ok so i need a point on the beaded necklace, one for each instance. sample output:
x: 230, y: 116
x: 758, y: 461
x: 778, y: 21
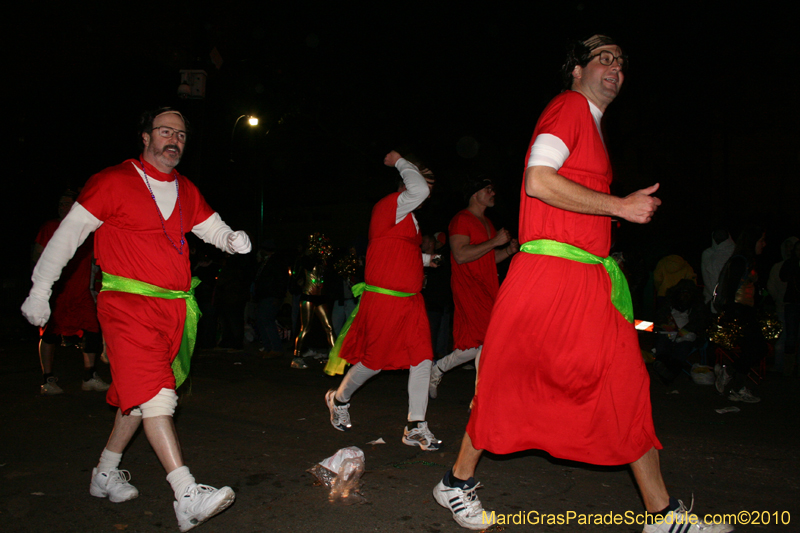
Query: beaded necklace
x: 160, y: 217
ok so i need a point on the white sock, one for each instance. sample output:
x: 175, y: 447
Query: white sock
x: 180, y: 479
x: 108, y: 461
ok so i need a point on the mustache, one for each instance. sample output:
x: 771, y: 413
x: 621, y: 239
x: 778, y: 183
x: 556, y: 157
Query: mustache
x: 173, y: 146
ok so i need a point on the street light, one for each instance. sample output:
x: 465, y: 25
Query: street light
x: 253, y: 121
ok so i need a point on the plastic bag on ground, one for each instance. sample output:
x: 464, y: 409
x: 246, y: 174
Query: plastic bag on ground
x: 341, y: 473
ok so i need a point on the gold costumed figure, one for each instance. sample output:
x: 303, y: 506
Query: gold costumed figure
x: 313, y: 299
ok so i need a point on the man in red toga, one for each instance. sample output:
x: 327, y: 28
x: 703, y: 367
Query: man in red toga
x: 74, y: 308
x: 140, y: 212
x: 390, y: 330
x: 561, y: 369
x: 475, y: 252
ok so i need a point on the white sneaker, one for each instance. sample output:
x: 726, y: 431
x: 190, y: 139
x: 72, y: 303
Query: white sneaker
x: 436, y: 378
x: 113, y: 485
x: 201, y: 502
x: 314, y: 354
x: 95, y: 384
x: 464, y: 504
x: 421, y: 436
x: 50, y: 388
x: 682, y: 520
x: 340, y: 414
x: 743, y: 395
x: 722, y: 377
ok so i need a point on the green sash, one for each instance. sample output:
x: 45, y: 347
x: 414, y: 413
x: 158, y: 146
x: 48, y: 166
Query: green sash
x: 620, y: 294
x: 335, y: 363
x: 180, y: 365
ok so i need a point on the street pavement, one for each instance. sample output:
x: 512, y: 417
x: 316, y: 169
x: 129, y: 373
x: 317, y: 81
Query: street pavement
x: 257, y: 425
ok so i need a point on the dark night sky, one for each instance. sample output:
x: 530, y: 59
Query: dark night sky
x: 708, y: 108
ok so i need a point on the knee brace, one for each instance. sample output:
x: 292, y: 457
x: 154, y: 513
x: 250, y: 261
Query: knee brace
x: 162, y: 404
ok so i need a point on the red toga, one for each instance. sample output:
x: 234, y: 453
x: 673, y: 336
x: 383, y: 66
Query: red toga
x: 474, y: 284
x: 143, y: 333
x: 561, y: 369
x: 386, y: 332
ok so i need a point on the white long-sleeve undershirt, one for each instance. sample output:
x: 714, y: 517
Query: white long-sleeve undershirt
x: 417, y: 191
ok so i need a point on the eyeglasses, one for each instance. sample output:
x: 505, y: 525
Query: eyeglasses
x: 606, y: 58
x: 167, y: 132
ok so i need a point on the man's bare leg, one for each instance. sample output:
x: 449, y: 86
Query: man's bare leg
x: 121, y: 435
x: 89, y: 359
x: 161, y: 434
x: 47, y: 352
x: 647, y: 471
x: 467, y: 459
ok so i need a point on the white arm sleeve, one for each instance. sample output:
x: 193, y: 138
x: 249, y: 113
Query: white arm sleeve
x: 71, y: 233
x: 548, y: 150
x: 416, y: 189
x: 215, y: 231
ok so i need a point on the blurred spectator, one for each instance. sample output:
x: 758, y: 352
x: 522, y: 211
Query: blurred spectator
x: 776, y: 289
x: 230, y: 297
x: 738, y: 294
x: 681, y: 321
x: 269, y: 290
x: 790, y: 273
x: 712, y: 261
x: 668, y: 272
x: 205, y: 268
x: 437, y: 293
x: 349, y: 269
